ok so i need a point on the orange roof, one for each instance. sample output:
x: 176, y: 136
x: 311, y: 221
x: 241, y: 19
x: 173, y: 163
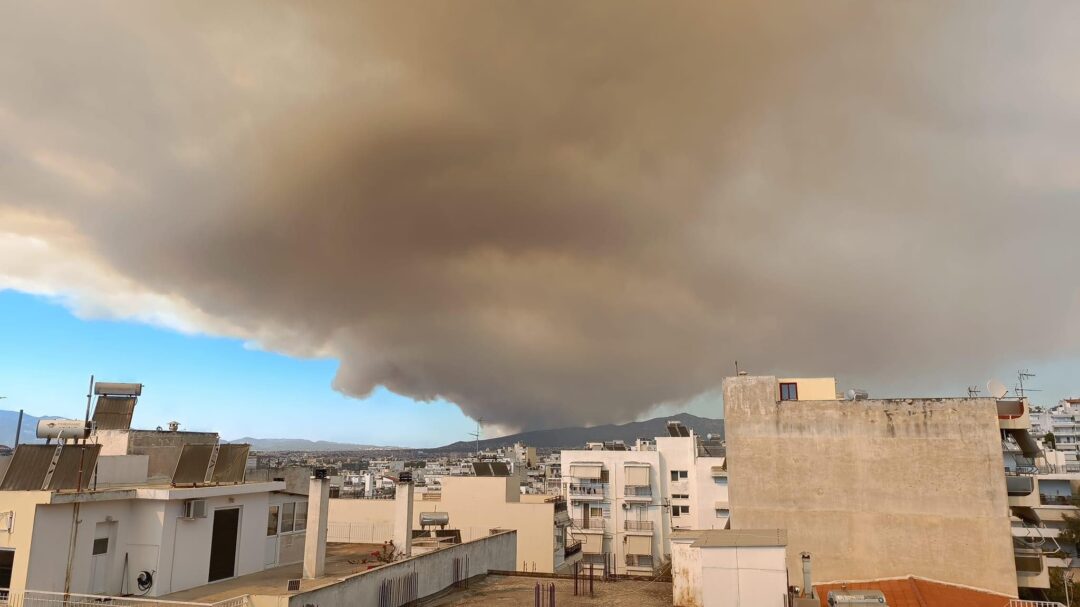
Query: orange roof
x: 919, y: 592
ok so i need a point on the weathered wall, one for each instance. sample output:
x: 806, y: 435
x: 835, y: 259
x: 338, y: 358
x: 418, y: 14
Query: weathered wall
x: 434, y: 572
x: 873, y: 488
x: 685, y: 572
x: 747, y: 575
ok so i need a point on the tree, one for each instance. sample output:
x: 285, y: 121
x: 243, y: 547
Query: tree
x: 1050, y: 440
x: 1071, y: 532
x: 1057, y: 588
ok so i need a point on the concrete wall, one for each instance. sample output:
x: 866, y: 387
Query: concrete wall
x: 162, y: 448
x: 120, y: 470
x: 23, y: 506
x: 873, y: 488
x: 434, y: 572
x: 686, y: 589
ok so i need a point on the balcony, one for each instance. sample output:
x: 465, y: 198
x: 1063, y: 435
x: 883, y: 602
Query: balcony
x: 1023, y: 491
x: 590, y: 523
x: 639, y: 561
x: 638, y: 494
x: 1031, y: 571
x: 1013, y: 415
x: 638, y: 526
x: 588, y: 491
x: 571, y: 549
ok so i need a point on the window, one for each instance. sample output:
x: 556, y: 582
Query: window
x: 301, y: 516
x: 677, y: 475
x: 680, y: 496
x: 720, y: 480
x: 680, y: 511
x: 272, y: 520
x: 101, y: 545
x: 7, y: 563
x: 287, y: 513
x: 789, y: 391
x: 723, y: 513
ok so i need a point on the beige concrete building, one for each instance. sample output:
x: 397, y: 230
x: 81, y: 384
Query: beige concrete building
x: 476, y: 506
x: 872, y: 488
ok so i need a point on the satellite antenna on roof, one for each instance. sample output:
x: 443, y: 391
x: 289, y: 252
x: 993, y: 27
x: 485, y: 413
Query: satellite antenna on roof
x: 996, y: 388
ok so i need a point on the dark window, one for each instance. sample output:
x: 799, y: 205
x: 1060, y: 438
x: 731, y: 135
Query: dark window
x: 789, y: 391
x: 101, y: 545
x: 7, y: 563
x: 677, y: 475
x: 288, y: 511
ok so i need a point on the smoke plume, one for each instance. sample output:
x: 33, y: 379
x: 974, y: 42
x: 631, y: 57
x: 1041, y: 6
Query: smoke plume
x: 555, y: 213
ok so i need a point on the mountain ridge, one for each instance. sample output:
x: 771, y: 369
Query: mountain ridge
x: 576, y: 437
x: 303, y: 444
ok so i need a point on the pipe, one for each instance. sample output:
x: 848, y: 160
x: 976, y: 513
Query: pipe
x: 808, y: 588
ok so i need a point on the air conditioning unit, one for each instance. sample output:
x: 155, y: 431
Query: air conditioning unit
x: 194, y: 509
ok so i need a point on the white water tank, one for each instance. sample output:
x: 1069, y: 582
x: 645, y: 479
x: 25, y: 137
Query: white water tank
x: 64, y: 428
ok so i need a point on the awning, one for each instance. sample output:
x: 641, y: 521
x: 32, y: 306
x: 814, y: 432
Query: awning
x: 639, y: 544
x: 637, y: 476
x: 586, y: 471
x: 721, y: 505
x: 562, y: 519
x: 719, y: 471
x: 591, y: 543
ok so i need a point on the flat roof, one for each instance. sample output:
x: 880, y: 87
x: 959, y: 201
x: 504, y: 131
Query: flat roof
x: 342, y: 560
x: 163, y: 492
x: 735, y: 538
x: 515, y: 591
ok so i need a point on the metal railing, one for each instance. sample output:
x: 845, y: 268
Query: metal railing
x: 571, y: 549
x: 592, y: 522
x: 638, y: 491
x: 1024, y: 603
x: 638, y: 525
x: 597, y: 489
x: 41, y: 598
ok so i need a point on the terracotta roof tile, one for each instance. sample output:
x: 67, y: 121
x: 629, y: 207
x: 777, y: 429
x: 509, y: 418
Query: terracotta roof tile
x: 919, y: 592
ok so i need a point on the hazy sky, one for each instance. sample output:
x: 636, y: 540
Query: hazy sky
x: 550, y: 213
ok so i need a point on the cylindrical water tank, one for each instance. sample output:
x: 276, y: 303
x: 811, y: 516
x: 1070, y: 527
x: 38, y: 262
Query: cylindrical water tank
x: 434, y: 519
x: 63, y: 428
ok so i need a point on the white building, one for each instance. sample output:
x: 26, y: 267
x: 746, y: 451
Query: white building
x: 624, y: 503
x: 729, y: 568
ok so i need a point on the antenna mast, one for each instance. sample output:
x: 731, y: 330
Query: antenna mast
x: 1021, y: 375
x: 479, y: 423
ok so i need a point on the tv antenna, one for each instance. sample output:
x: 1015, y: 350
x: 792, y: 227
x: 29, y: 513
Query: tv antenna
x: 973, y: 391
x: 479, y: 425
x: 1021, y: 375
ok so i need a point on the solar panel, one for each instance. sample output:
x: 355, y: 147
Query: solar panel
x: 114, y: 412
x: 673, y: 428
x: 192, y: 465
x: 74, y: 468
x: 481, y: 469
x: 231, y: 464
x: 28, y: 467
x: 499, y: 469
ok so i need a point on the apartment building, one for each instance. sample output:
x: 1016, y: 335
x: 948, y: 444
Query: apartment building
x: 1063, y: 421
x: 879, y: 488
x: 473, y: 507
x: 625, y: 501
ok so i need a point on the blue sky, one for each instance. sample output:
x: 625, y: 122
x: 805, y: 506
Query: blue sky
x: 205, y: 383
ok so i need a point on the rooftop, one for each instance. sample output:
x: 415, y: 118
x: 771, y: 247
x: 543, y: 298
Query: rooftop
x: 919, y: 592
x: 498, y: 591
x: 732, y: 538
x: 341, y: 560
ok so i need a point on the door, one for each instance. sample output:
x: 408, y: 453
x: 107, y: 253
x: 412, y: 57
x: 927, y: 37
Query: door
x: 7, y: 563
x: 223, y: 544
x: 101, y: 557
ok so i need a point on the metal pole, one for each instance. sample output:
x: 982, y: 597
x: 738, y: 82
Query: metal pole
x: 18, y: 428
x: 1066, y: 578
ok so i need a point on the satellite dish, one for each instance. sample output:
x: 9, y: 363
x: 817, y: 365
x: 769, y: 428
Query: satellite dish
x: 996, y: 388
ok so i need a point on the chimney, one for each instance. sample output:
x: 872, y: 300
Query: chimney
x: 403, y: 514
x: 315, y: 538
x: 807, y: 585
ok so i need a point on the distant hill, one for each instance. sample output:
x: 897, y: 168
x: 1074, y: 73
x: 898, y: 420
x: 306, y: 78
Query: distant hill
x: 300, y: 444
x: 571, y: 438
x: 10, y: 419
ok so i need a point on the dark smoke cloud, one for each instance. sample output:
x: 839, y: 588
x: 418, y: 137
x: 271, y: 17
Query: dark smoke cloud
x: 552, y: 213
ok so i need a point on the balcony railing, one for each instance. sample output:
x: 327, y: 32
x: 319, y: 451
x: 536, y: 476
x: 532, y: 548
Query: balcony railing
x: 638, y: 491
x: 1019, y: 485
x: 1010, y: 409
x: 571, y: 549
x: 588, y: 490
x: 1029, y: 564
x: 589, y: 522
x: 639, y: 525
x: 37, y: 598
